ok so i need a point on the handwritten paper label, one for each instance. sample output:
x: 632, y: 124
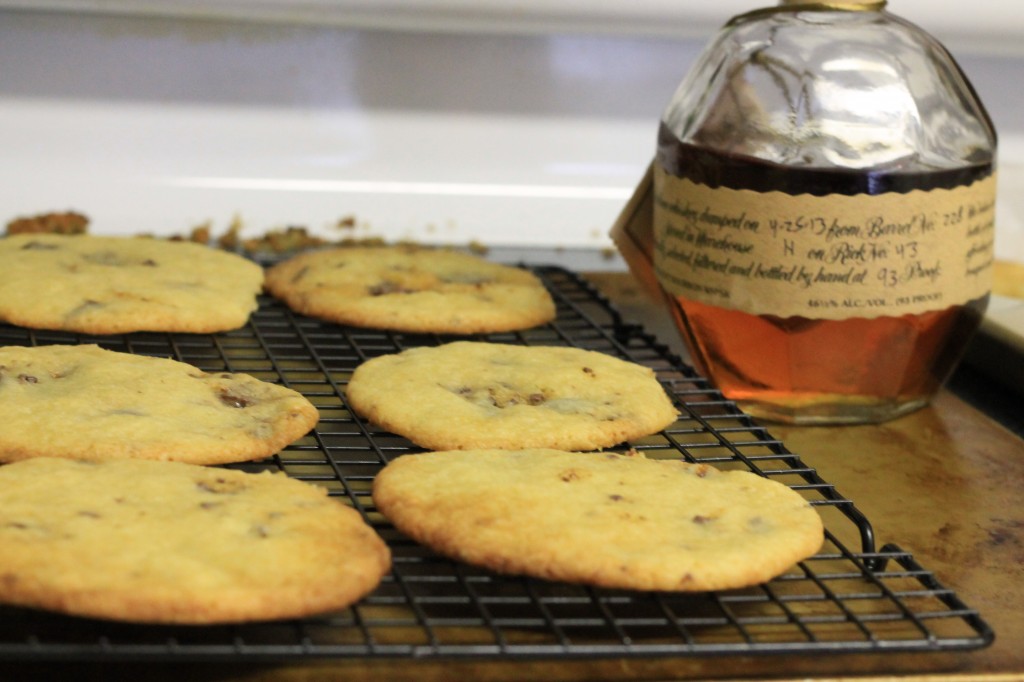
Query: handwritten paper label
x: 831, y: 257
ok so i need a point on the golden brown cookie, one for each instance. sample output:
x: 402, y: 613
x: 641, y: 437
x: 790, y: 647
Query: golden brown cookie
x: 113, y: 285
x: 84, y: 402
x: 466, y: 395
x: 411, y: 289
x: 163, y: 542
x: 617, y: 521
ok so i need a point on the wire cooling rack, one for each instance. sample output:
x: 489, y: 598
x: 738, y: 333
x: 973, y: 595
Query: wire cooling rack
x: 850, y: 597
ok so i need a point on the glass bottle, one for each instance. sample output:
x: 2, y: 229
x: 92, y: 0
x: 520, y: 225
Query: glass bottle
x: 823, y: 204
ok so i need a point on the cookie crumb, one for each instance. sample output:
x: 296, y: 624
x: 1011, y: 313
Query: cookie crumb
x: 200, y: 234
x: 67, y: 222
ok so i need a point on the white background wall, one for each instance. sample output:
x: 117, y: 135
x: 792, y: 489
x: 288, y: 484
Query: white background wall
x: 987, y: 25
x: 506, y: 122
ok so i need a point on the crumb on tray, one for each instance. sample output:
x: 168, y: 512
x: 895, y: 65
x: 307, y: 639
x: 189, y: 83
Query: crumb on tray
x: 277, y: 241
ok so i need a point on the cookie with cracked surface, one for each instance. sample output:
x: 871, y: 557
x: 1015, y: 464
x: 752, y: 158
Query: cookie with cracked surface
x: 467, y: 395
x: 604, y: 519
x: 84, y: 402
x: 114, y: 285
x: 411, y: 289
x: 165, y: 542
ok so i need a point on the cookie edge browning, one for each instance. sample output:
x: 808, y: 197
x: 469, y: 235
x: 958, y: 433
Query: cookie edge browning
x: 171, y: 606
x: 278, y: 278
x: 404, y: 516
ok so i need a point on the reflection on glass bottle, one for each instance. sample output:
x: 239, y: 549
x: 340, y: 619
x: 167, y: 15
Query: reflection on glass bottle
x: 823, y: 214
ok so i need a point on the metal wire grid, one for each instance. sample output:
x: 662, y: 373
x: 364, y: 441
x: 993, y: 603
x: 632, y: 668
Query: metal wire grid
x: 841, y: 600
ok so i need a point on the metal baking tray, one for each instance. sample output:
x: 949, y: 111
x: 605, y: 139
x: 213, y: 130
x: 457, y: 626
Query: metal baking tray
x: 853, y: 596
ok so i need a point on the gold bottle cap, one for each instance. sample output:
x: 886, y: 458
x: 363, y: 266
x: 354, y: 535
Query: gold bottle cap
x: 811, y: 5
x: 867, y: 5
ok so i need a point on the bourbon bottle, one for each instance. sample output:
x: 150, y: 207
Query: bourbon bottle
x: 822, y: 212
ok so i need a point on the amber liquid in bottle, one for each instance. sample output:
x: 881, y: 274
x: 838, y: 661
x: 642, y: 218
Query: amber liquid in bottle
x: 803, y: 370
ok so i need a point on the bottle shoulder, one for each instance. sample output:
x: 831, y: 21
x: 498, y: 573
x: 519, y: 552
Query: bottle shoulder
x: 832, y: 89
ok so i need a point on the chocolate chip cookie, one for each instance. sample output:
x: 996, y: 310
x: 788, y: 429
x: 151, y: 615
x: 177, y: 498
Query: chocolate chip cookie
x: 411, y: 289
x: 113, y: 285
x: 164, y: 542
x: 468, y: 394
x: 605, y: 519
x: 83, y: 402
